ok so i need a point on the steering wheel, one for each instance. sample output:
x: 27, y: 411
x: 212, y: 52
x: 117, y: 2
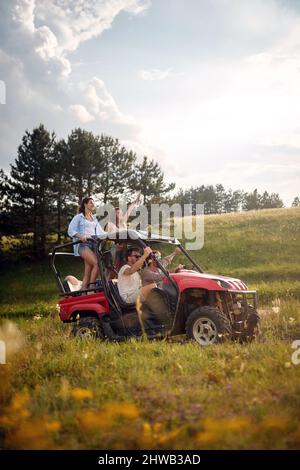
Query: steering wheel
x: 178, y: 270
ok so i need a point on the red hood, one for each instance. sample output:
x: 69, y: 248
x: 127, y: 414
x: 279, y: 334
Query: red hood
x: 190, y: 278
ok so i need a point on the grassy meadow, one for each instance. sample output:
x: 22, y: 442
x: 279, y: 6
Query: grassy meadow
x: 58, y: 392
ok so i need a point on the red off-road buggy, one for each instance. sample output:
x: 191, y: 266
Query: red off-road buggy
x: 207, y: 308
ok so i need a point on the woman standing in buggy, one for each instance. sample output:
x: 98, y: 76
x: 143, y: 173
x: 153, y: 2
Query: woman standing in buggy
x: 119, y: 221
x: 83, y: 227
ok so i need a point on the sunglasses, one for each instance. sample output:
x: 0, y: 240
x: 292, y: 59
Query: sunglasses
x: 136, y: 256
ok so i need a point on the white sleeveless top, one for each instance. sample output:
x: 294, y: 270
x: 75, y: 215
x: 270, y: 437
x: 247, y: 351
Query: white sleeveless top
x: 89, y: 228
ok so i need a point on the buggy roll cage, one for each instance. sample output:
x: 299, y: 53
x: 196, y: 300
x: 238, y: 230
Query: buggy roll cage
x: 140, y: 238
x: 56, y: 272
x: 141, y: 244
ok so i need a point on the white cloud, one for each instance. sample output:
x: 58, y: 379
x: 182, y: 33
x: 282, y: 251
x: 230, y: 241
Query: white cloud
x: 81, y: 113
x: 22, y: 14
x: 223, y: 109
x: 154, y: 74
x: 36, y: 42
x: 236, y: 120
x: 2, y: 92
x: 138, y: 8
x: 101, y: 103
x: 76, y: 21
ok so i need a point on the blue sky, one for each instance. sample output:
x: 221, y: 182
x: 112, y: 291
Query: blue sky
x: 209, y: 88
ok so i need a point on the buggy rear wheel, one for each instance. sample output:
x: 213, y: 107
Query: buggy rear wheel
x: 207, y: 325
x: 88, y: 328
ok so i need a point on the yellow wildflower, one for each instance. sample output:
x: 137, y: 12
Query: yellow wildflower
x: 29, y: 435
x: 81, y: 393
x: 64, y: 388
x: 207, y: 437
x: 90, y: 420
x: 275, y: 423
x: 237, y: 424
x: 53, y: 426
x: 167, y: 436
x: 19, y: 401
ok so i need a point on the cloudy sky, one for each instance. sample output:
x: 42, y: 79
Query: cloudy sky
x: 209, y: 88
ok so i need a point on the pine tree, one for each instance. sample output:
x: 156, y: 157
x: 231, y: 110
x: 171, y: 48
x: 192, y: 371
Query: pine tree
x: 6, y: 226
x: 117, y: 170
x: 84, y: 161
x: 251, y: 201
x: 30, y: 186
x: 4, y: 185
x: 149, y: 179
x: 270, y: 201
x: 63, y: 197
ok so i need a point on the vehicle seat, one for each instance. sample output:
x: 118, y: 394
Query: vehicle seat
x: 157, y: 305
x: 70, y: 287
x: 113, y: 287
x: 75, y: 288
x: 172, y: 295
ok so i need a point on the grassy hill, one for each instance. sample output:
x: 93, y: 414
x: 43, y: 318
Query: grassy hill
x: 59, y: 392
x: 260, y: 247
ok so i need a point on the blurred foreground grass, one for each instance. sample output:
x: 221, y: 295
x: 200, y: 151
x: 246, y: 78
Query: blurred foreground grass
x: 60, y: 392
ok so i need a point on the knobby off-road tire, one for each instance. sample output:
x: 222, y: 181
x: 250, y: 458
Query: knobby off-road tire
x: 208, y: 325
x: 88, y: 328
x: 251, y: 330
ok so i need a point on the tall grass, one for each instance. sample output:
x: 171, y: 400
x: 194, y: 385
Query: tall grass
x: 59, y: 392
x: 259, y: 247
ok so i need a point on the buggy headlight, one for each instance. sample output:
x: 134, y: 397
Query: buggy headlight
x: 223, y: 284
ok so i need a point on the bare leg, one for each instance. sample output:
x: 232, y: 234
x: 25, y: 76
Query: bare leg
x: 72, y: 279
x: 90, y: 267
x: 87, y: 274
x: 75, y: 283
x: 95, y: 269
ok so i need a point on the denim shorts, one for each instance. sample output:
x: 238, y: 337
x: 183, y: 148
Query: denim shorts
x: 89, y: 244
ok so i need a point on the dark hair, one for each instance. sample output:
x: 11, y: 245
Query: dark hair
x: 112, y: 216
x: 150, y: 259
x: 130, y: 251
x: 84, y: 201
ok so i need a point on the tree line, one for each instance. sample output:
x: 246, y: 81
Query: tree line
x: 218, y: 200
x: 50, y: 176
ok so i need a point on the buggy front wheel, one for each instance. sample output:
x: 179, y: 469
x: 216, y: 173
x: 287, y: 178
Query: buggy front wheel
x: 207, y: 325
